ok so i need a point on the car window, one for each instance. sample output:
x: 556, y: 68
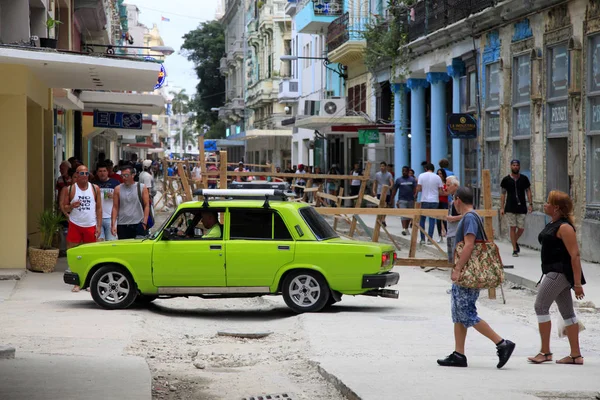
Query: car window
x: 256, y: 224
x: 188, y: 225
x: 317, y: 224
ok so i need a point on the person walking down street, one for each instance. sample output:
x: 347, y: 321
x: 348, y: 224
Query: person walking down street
x: 445, y: 165
x: 107, y: 187
x: 431, y: 187
x: 212, y: 179
x: 561, y: 267
x: 63, y: 180
x: 131, y: 207
x: 464, y: 309
x: 513, y: 205
x: 111, y: 173
x: 83, y: 204
x: 453, y: 218
x: 383, y: 178
x: 241, y: 168
x: 406, y: 187
x: 147, y: 179
x: 355, y: 183
x: 442, y: 205
x: 289, y: 170
x: 300, y: 181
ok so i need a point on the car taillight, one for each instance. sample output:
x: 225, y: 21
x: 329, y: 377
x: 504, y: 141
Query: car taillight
x: 385, y: 258
x: 395, y: 257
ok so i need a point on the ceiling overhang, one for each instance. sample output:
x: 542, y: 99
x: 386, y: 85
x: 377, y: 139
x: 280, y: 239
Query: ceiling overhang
x: 125, y: 102
x: 65, y: 99
x: 319, y: 122
x: 86, y: 72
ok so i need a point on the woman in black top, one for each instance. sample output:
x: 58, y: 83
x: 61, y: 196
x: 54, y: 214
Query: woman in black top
x: 561, y: 265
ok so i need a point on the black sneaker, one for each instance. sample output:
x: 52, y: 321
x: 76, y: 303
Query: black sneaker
x: 505, y: 350
x: 515, y: 253
x: 518, y: 248
x: 453, y: 360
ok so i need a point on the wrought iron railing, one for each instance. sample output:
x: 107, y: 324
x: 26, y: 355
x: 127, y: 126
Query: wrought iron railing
x: 428, y: 16
x: 343, y: 29
x: 328, y: 7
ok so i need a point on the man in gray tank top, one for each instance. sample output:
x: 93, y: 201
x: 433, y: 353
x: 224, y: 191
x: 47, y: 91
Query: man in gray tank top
x: 129, y: 214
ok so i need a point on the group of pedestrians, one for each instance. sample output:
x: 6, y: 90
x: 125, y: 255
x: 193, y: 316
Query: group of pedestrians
x: 105, y: 208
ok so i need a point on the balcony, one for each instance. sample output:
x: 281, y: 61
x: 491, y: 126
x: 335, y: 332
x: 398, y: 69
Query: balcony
x: 314, y: 17
x: 261, y: 92
x: 290, y: 7
x: 288, y: 90
x: 237, y: 49
x: 265, y: 16
x: 345, y: 43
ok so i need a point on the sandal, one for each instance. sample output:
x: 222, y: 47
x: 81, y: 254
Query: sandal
x: 570, y: 360
x: 75, y: 289
x: 547, y: 358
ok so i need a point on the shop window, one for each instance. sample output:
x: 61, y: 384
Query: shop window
x: 521, y: 124
x: 492, y: 98
x: 593, y: 122
x: 557, y: 117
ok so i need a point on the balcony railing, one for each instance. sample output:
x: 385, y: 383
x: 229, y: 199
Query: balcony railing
x: 344, y: 29
x: 328, y: 7
x: 432, y: 15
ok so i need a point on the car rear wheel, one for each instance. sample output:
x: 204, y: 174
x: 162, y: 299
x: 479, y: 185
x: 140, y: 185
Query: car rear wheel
x: 113, y: 288
x: 305, y: 291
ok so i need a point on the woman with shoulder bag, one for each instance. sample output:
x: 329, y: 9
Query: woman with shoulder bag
x: 561, y: 265
x: 464, y: 310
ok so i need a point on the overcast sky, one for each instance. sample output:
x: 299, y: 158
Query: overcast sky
x: 184, y: 16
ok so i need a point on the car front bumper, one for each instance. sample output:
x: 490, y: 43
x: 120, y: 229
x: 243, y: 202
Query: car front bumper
x: 71, y: 278
x: 380, y: 280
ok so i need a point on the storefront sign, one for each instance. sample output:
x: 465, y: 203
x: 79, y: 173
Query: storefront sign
x: 558, y: 118
x: 210, y: 145
x: 117, y: 120
x: 162, y: 75
x: 366, y: 136
x: 462, y: 126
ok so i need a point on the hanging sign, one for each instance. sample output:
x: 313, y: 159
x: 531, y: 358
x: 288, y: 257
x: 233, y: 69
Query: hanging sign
x: 162, y: 75
x: 367, y: 136
x: 462, y: 126
x: 210, y: 145
x: 117, y: 120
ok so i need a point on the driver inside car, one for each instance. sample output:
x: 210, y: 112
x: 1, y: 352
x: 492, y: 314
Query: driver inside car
x: 210, y: 221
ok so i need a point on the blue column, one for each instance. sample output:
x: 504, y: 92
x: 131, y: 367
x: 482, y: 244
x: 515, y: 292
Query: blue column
x: 439, y: 135
x: 401, y: 153
x: 418, y: 142
x: 456, y: 70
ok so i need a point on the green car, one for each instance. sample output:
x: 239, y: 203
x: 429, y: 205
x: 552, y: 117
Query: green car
x: 235, y: 248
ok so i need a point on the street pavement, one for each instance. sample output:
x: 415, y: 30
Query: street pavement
x: 527, y: 269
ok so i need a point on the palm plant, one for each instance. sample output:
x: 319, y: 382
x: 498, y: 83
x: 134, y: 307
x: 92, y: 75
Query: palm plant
x: 49, y: 222
x: 189, y: 136
x: 180, y: 102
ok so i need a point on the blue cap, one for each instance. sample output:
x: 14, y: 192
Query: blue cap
x: 515, y: 162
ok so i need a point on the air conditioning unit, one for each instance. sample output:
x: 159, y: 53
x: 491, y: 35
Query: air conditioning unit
x: 333, y: 108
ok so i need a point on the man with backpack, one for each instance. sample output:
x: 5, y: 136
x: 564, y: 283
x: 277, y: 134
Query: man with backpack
x: 107, y: 187
x: 131, y: 207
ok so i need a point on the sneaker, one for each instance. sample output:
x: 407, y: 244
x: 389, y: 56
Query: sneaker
x: 518, y: 248
x: 384, y: 224
x: 505, y: 350
x: 453, y: 360
x: 515, y: 254
x: 441, y: 240
x: 405, y: 232
x: 422, y: 242
x: 429, y: 242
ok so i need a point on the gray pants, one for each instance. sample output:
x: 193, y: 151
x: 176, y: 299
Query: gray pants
x: 450, y: 244
x: 555, y: 287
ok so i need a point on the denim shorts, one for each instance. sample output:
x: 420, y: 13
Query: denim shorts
x: 463, y: 306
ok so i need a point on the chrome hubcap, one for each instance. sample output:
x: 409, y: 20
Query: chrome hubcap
x: 113, y: 287
x: 304, y: 290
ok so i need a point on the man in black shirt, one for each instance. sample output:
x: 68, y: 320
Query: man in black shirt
x: 513, y: 205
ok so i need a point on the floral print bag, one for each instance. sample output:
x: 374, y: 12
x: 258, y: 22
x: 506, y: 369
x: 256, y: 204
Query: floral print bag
x: 484, y: 270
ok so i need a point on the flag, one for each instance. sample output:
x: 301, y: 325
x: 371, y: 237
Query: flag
x: 165, y: 19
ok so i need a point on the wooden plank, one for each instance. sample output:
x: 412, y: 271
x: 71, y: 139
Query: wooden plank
x: 414, y: 232
x: 391, y: 238
x: 223, y: 170
x: 379, y: 219
x: 202, y: 160
x: 338, y: 202
x: 296, y: 176
x: 421, y: 262
x: 432, y: 241
x: 187, y: 191
x: 361, y: 193
x: 398, y: 212
x: 486, y: 181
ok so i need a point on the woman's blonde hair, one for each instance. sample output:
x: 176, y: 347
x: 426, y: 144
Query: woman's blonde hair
x: 564, y: 204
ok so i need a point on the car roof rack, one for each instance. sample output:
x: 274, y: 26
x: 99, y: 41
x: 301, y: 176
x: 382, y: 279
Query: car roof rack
x: 233, y: 193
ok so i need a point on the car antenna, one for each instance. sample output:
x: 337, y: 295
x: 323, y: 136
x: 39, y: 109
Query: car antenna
x: 205, y: 203
x: 266, y: 203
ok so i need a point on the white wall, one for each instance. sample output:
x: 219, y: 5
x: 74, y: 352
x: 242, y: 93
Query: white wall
x: 14, y: 21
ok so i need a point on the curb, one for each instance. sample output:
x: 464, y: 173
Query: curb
x: 336, y: 382
x: 7, y: 352
x: 12, y: 274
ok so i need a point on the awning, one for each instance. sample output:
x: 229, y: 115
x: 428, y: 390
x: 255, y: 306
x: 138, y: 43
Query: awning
x: 341, y: 129
x: 320, y: 122
x: 264, y: 133
x: 59, y: 69
x: 125, y: 102
x: 156, y: 150
x: 65, y: 99
x: 228, y: 143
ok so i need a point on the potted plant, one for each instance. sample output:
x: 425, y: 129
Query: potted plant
x: 47, y: 42
x: 43, y: 259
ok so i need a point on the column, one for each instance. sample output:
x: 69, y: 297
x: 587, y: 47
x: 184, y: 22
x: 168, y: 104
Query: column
x: 439, y: 134
x: 401, y: 153
x: 418, y: 142
x: 456, y: 71
x: 49, y: 157
x: 13, y: 200
x: 35, y: 170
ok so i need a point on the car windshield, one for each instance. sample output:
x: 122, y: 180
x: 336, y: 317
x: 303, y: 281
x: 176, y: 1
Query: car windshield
x: 155, y: 231
x: 317, y: 224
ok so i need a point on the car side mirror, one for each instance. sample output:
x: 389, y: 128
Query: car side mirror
x: 168, y: 233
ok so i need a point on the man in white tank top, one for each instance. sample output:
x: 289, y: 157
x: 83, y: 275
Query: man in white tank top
x: 84, y: 206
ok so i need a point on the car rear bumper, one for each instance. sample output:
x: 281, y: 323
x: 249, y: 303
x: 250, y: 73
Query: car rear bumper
x: 380, y: 280
x: 71, y: 278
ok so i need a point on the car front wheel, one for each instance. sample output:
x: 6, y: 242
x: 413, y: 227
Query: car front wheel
x: 305, y: 291
x: 113, y: 288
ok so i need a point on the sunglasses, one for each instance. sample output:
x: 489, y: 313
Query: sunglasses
x: 84, y: 173
x: 126, y: 175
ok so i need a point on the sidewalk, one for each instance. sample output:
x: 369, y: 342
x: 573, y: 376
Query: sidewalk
x: 527, y: 269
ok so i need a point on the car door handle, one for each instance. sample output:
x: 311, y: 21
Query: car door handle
x: 215, y: 247
x: 283, y: 247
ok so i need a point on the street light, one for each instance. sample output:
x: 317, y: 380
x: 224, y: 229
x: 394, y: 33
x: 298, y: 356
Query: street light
x: 341, y: 69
